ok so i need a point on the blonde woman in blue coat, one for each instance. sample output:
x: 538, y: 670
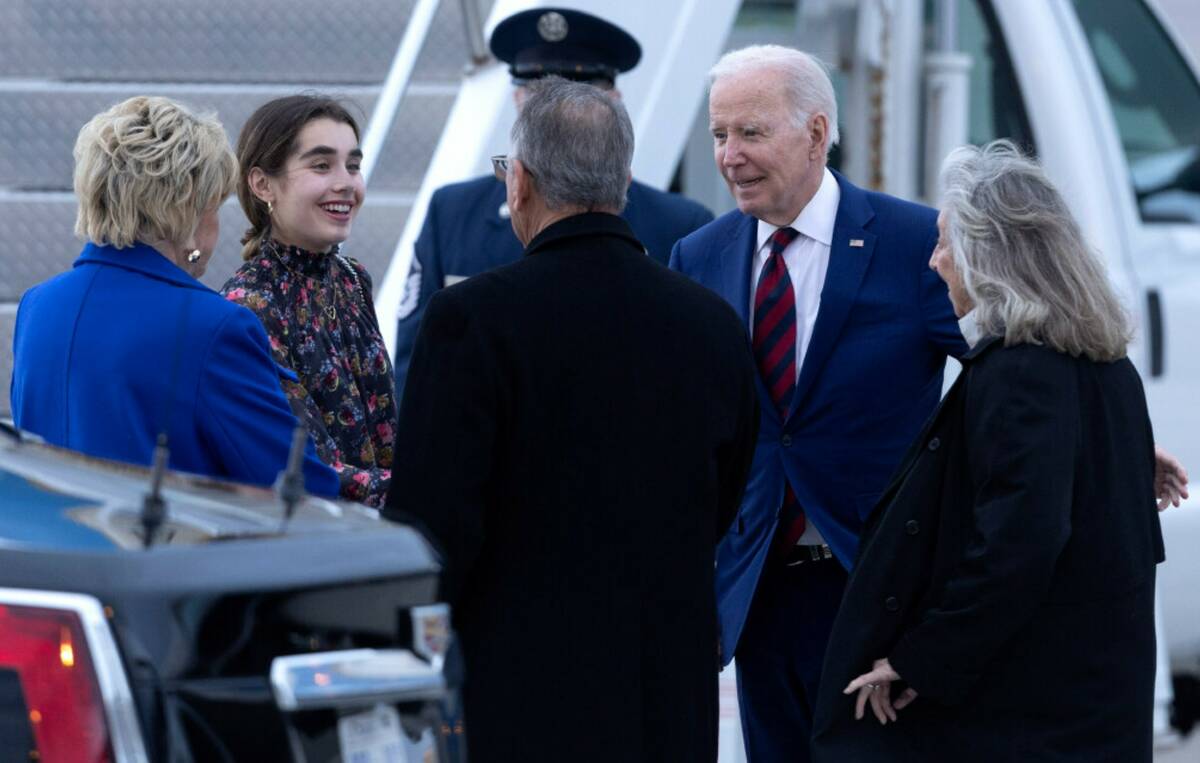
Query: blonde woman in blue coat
x: 128, y: 344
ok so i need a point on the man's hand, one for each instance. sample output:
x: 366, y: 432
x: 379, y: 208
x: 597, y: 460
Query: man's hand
x: 876, y: 687
x: 1170, y: 479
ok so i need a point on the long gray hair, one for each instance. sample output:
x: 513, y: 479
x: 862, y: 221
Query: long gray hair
x: 1023, y: 259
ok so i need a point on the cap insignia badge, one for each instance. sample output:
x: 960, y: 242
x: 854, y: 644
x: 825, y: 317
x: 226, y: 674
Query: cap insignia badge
x: 552, y: 27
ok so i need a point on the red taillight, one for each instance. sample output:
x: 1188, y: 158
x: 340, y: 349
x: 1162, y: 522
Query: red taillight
x: 47, y: 650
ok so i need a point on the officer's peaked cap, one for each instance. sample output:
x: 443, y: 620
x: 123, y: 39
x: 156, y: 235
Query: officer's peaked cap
x: 571, y: 44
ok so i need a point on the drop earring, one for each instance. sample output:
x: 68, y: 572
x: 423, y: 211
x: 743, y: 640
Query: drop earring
x: 194, y: 255
x: 270, y: 209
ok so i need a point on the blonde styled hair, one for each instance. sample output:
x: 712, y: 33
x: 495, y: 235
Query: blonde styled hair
x: 147, y: 169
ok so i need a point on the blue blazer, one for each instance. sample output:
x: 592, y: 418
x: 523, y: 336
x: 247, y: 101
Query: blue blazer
x: 126, y: 344
x: 465, y: 234
x: 871, y: 376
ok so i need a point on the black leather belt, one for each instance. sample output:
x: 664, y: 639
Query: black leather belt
x: 798, y: 555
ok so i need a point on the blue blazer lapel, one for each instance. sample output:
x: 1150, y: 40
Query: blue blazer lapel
x: 734, y: 260
x: 847, y: 266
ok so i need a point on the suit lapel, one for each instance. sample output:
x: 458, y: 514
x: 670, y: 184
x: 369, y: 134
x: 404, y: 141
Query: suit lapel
x: 734, y: 263
x: 849, y: 256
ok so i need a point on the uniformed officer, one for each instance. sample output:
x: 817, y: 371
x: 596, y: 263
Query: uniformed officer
x: 467, y: 228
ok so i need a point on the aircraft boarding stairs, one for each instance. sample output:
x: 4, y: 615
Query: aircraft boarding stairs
x: 66, y: 60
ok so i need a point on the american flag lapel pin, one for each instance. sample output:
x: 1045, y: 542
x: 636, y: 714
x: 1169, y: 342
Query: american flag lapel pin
x: 856, y: 243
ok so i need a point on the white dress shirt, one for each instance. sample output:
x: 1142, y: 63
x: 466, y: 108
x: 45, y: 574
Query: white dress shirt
x: 969, y: 328
x: 807, y: 260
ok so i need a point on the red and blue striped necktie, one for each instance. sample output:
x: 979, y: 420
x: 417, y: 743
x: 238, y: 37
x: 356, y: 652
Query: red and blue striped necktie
x: 775, y: 353
x: 775, y: 324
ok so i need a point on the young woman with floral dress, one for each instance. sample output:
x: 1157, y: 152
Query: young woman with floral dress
x: 300, y: 188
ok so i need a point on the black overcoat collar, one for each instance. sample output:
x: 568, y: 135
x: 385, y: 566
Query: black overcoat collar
x: 979, y: 347
x: 585, y: 224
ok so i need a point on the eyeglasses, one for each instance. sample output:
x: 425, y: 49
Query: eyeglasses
x: 500, y: 164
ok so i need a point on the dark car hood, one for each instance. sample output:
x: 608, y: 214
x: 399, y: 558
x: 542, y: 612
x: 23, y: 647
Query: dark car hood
x: 59, y: 499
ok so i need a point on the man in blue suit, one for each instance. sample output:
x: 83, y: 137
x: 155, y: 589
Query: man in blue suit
x: 850, y: 330
x: 467, y: 229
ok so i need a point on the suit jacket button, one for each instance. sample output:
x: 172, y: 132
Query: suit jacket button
x: 786, y: 441
x: 912, y: 527
x: 935, y: 443
x: 891, y: 604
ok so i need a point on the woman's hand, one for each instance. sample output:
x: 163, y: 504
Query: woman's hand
x: 876, y: 687
x: 1170, y: 479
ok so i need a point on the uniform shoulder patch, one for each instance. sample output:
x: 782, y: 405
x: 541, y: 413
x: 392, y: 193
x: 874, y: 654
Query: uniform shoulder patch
x: 412, y: 291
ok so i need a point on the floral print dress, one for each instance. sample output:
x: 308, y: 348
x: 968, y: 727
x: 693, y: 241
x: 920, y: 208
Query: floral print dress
x: 321, y: 322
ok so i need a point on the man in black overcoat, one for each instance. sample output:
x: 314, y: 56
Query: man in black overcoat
x: 575, y: 435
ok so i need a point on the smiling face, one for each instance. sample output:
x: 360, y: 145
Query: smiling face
x: 942, y: 261
x: 772, y: 167
x: 320, y: 189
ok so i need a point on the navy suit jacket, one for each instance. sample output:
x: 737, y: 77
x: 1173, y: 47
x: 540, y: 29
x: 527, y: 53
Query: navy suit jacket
x: 871, y: 376
x: 126, y: 344
x: 465, y: 234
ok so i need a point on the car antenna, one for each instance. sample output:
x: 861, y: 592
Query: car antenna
x: 290, y: 485
x: 154, y: 508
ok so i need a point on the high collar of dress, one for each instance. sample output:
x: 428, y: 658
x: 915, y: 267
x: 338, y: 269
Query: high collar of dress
x: 298, y: 260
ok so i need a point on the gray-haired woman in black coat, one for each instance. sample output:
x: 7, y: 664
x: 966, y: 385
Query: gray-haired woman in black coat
x: 1002, y: 607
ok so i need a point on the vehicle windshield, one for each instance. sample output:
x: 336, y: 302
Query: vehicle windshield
x: 1155, y: 102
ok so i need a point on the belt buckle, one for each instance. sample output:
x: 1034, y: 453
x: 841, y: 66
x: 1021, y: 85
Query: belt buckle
x: 809, y: 554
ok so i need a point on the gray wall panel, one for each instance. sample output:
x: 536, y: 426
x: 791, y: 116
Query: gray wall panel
x: 7, y: 317
x: 39, y: 242
x: 221, y: 40
x: 40, y: 127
